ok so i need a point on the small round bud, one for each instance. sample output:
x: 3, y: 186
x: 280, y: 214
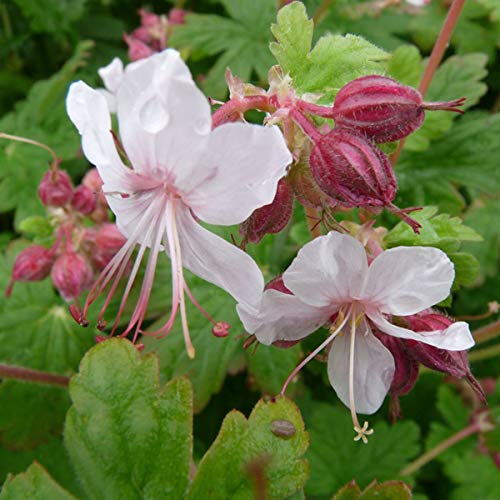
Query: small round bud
x: 32, y: 264
x: 84, y: 200
x: 72, y: 275
x: 107, y: 241
x: 55, y: 188
x: 177, y: 16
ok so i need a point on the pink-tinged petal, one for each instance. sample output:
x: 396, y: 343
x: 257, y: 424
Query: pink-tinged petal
x: 373, y: 369
x: 217, y: 261
x: 456, y: 337
x: 407, y: 280
x: 112, y: 74
x: 282, y: 317
x: 238, y: 173
x: 163, y: 117
x: 328, y: 270
x: 89, y: 112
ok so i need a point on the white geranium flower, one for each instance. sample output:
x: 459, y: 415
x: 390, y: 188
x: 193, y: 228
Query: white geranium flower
x: 180, y: 172
x: 111, y: 75
x: 331, y: 277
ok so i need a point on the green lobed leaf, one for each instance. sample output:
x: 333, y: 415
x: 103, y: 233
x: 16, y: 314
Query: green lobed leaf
x: 36, y: 331
x: 127, y: 438
x: 248, y: 450
x: 334, y: 61
x: 335, y: 458
x: 240, y: 41
x: 390, y: 490
x: 35, y: 484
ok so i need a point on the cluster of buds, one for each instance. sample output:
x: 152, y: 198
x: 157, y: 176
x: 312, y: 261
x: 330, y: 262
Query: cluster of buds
x: 409, y: 355
x: 85, y: 241
x: 153, y: 33
x: 337, y: 168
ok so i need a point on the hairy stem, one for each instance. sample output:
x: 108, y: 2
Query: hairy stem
x: 487, y: 332
x: 435, y: 58
x: 35, y: 376
x: 33, y: 143
x: 313, y: 217
x: 443, y: 446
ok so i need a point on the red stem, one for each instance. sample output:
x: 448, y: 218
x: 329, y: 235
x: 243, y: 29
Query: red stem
x: 36, y: 376
x: 238, y: 106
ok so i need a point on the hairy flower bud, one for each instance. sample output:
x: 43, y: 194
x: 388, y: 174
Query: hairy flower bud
x: 84, y: 200
x: 107, y: 241
x: 270, y: 218
x: 32, y: 264
x: 55, y: 188
x: 350, y: 168
x: 72, y: 275
x: 383, y: 109
x: 177, y: 16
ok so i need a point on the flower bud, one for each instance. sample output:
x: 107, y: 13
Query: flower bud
x: 383, y: 109
x: 350, y: 168
x: 107, y: 241
x: 93, y: 180
x: 270, y: 218
x: 55, y: 188
x: 72, y: 275
x: 84, y: 200
x: 177, y: 16
x: 136, y: 48
x: 32, y: 264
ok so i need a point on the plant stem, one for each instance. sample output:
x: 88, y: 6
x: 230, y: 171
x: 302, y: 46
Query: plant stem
x: 321, y: 11
x: 435, y: 58
x: 33, y: 143
x: 443, y: 446
x: 35, y: 376
x: 487, y: 332
x: 313, y: 217
x: 486, y: 353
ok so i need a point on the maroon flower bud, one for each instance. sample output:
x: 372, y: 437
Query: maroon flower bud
x: 383, y: 109
x: 350, y: 168
x: 453, y: 363
x: 84, y: 200
x: 137, y: 49
x: 93, y: 180
x: 32, y: 264
x: 270, y: 218
x: 56, y: 188
x: 107, y: 241
x: 72, y: 275
x: 177, y: 16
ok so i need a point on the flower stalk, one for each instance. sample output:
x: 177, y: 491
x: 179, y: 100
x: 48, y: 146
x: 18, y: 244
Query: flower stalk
x: 35, y: 376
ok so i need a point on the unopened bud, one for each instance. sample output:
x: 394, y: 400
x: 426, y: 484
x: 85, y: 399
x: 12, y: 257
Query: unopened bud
x: 72, y: 275
x: 107, y: 241
x: 32, y: 264
x: 177, y: 16
x: 136, y: 48
x: 84, y: 200
x: 56, y: 188
x: 270, y: 218
x: 383, y: 109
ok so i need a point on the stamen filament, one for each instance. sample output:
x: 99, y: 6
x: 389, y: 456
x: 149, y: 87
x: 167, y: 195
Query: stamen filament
x: 306, y: 360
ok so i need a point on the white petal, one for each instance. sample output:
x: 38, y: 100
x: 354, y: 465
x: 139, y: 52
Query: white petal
x: 373, y: 369
x: 456, y: 337
x: 217, y: 261
x: 110, y: 99
x: 328, y: 270
x: 407, y: 280
x: 239, y: 172
x: 89, y: 112
x: 163, y: 117
x: 282, y: 317
x: 112, y: 75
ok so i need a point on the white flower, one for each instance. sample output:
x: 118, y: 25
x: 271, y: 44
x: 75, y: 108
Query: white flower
x: 330, y: 277
x: 111, y: 75
x: 180, y: 172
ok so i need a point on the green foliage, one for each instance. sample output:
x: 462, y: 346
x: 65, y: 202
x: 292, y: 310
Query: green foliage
x: 35, y: 484
x: 36, y: 331
x: 334, y: 61
x: 467, y: 156
x: 248, y: 451
x: 124, y: 436
x: 42, y: 117
x: 335, y: 458
x: 241, y: 40
x: 51, y: 16
x: 390, y: 490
